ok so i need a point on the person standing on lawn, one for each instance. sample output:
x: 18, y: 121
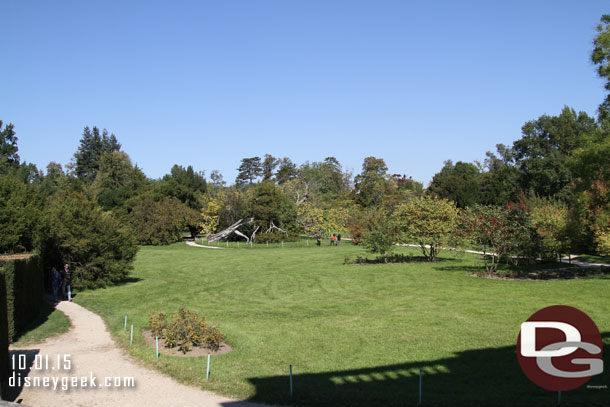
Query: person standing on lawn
x: 332, y: 239
x: 338, y: 239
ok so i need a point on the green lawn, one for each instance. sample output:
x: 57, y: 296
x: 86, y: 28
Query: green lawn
x: 355, y: 335
x: 589, y: 258
x: 50, y: 322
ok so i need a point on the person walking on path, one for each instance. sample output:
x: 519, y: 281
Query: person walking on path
x: 332, y: 240
x: 66, y: 283
x: 318, y: 239
x: 338, y: 239
x: 55, y: 282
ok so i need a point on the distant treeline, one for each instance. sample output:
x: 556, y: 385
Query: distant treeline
x: 94, y: 211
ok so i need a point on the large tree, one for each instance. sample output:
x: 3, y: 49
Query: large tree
x: 269, y: 164
x: 249, y: 170
x: 117, y: 180
x: 91, y: 149
x: 9, y: 159
x: 541, y: 154
x: 99, y: 247
x: 459, y: 183
x: 287, y: 170
x: 601, y: 57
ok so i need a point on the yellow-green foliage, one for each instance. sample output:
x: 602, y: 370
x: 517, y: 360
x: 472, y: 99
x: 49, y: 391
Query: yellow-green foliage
x: 602, y: 239
x: 427, y: 221
x: 157, y: 322
x: 185, y: 329
x: 551, y: 221
x: 209, y: 215
x: 313, y: 220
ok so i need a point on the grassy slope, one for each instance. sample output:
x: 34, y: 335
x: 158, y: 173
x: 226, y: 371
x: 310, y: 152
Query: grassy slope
x: 354, y: 334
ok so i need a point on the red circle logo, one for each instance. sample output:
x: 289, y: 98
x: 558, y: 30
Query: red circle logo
x: 559, y: 348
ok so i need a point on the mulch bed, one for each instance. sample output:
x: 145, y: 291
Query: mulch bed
x: 149, y: 338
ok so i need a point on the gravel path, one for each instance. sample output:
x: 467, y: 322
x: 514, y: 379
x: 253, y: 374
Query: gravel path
x: 93, y: 352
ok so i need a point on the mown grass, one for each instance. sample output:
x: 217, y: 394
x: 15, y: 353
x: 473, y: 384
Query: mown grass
x: 355, y: 334
x: 48, y: 323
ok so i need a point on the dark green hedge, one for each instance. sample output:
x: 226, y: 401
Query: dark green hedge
x: 3, y: 330
x: 24, y: 290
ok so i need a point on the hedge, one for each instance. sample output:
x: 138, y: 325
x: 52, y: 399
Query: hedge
x: 3, y: 331
x: 24, y: 290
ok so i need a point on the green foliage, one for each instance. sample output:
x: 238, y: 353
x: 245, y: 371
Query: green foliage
x: 19, y: 215
x: 24, y: 282
x: 97, y: 246
x: 249, y: 170
x: 184, y: 184
x: 267, y: 203
x: 276, y: 237
x: 551, y: 221
x: 286, y: 171
x: 185, y: 329
x: 371, y: 185
x: 541, y: 154
x: 268, y: 166
x: 117, y: 180
x: 501, y: 231
x: 459, y: 183
x: 313, y: 220
x: 9, y: 159
x: 601, y: 57
x: 381, y: 237
x: 602, y: 239
x: 160, y: 222
x: 427, y: 221
x: 4, y: 333
x: 92, y: 147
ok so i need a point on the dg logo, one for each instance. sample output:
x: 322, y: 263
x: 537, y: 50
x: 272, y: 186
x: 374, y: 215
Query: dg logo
x: 559, y: 348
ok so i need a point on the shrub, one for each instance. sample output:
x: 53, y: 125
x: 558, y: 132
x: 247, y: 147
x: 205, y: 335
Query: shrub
x: 157, y: 322
x: 185, y: 329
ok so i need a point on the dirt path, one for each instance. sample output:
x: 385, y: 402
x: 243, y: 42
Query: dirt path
x: 193, y: 244
x: 93, y: 352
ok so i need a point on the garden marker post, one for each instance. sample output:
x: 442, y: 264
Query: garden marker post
x: 227, y: 243
x: 282, y: 244
x: 420, y: 377
x: 125, y: 328
x: 290, y: 380
x: 157, y: 342
x: 131, y: 340
x: 207, y: 372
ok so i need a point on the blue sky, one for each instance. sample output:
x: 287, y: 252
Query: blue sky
x: 208, y: 83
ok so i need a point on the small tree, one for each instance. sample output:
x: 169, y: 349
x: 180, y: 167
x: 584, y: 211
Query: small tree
x: 427, y: 221
x: 501, y: 231
x: 380, y: 238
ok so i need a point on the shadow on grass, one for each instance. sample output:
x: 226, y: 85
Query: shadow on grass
x: 42, y: 317
x: 482, y: 377
x: 128, y: 280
